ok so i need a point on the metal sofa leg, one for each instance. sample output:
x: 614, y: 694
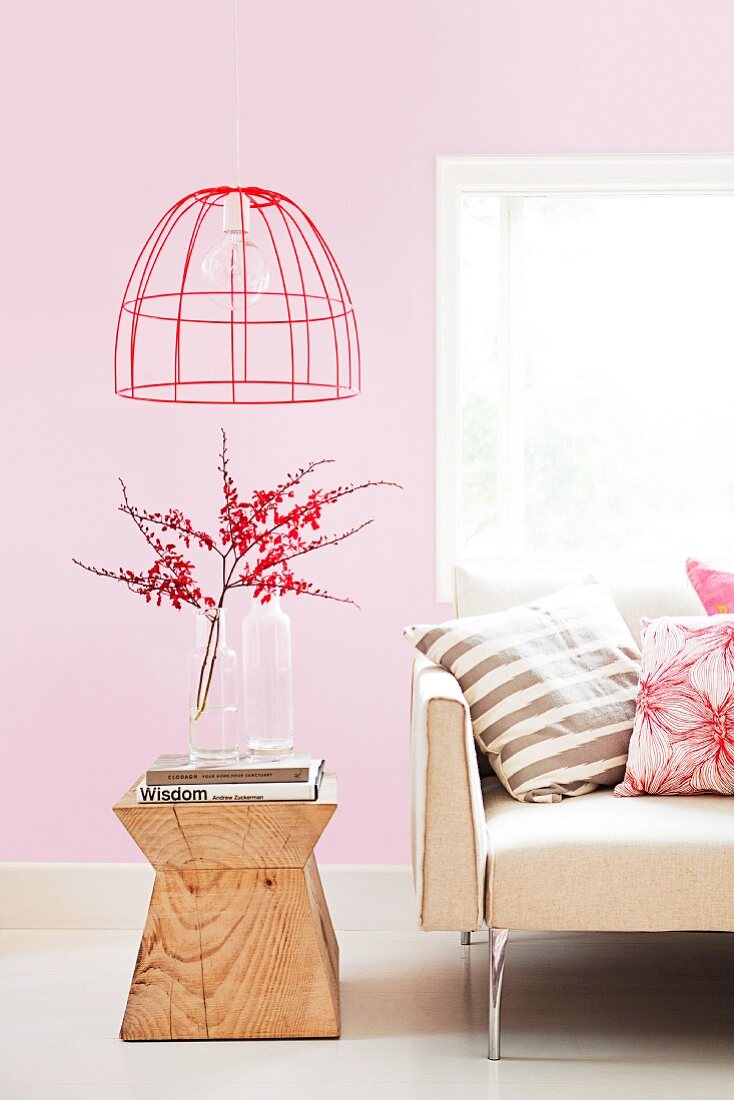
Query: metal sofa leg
x: 465, y: 939
x: 497, y: 947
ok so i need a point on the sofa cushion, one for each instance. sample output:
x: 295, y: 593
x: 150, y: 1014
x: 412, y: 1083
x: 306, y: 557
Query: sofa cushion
x: 602, y: 863
x: 714, y: 587
x: 550, y: 686
x: 642, y: 592
x: 683, y: 738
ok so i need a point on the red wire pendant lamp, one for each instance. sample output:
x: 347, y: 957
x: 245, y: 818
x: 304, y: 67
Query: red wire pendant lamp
x: 236, y: 298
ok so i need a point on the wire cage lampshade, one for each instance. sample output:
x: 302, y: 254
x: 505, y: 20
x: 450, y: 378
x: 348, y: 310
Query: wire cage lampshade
x: 236, y: 298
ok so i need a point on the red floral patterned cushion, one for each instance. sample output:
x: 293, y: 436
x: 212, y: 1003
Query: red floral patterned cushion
x: 683, y: 736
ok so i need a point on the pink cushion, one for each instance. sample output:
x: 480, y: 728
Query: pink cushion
x: 714, y: 588
x: 683, y: 737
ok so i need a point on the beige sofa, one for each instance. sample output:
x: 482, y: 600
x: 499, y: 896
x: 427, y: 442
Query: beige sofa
x: 592, y: 863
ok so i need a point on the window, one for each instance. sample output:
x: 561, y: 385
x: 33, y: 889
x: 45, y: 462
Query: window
x: 586, y: 359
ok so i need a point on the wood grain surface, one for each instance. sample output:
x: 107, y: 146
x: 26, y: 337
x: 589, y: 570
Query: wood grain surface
x: 228, y: 835
x: 238, y: 942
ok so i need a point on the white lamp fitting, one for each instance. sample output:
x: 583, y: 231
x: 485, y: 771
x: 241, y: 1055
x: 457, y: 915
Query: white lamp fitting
x: 236, y: 207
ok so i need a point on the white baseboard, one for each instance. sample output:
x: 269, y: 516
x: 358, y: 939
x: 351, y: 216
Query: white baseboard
x: 116, y: 895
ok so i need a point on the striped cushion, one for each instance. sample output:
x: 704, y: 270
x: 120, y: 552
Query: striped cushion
x: 551, y: 689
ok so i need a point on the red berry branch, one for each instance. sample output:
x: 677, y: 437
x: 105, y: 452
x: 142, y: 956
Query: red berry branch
x: 258, y: 540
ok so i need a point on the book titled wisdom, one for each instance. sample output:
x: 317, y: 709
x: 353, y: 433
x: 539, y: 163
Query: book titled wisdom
x: 162, y: 794
x: 172, y: 770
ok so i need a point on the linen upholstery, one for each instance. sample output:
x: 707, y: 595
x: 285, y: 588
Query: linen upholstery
x: 551, y: 688
x: 608, y: 864
x: 446, y: 902
x: 643, y: 593
x: 448, y: 834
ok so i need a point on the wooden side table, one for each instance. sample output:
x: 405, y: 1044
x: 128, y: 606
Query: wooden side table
x: 238, y: 942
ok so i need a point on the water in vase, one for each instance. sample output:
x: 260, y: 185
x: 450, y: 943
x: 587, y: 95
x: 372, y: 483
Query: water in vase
x: 212, y: 691
x: 268, y: 673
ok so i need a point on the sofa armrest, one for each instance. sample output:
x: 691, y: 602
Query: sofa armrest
x: 449, y: 836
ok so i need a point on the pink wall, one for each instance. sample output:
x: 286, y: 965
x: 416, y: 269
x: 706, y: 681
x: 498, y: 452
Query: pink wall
x: 115, y: 110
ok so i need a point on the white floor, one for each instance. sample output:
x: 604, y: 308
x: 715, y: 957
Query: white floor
x: 590, y: 1016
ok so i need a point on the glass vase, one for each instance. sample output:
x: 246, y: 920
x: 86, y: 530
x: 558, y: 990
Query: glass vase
x: 212, y: 691
x: 268, y: 676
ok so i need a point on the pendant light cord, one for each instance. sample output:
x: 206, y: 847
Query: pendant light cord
x: 236, y: 95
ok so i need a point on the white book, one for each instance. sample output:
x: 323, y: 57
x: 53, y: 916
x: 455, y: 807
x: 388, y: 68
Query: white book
x: 233, y: 792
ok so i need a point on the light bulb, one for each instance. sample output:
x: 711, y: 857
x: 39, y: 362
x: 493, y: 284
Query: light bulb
x: 234, y: 259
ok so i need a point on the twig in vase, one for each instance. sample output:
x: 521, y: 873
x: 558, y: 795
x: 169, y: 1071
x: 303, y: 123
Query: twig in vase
x: 257, y: 539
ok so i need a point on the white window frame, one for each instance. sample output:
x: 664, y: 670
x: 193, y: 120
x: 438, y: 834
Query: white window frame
x: 512, y: 177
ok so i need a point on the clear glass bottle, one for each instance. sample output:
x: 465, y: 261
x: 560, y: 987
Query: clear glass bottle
x: 268, y: 675
x: 212, y: 691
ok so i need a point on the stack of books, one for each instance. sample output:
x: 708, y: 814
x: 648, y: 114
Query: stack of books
x: 176, y: 779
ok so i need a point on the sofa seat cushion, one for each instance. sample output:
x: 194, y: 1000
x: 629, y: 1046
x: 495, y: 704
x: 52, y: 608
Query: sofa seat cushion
x: 601, y: 863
